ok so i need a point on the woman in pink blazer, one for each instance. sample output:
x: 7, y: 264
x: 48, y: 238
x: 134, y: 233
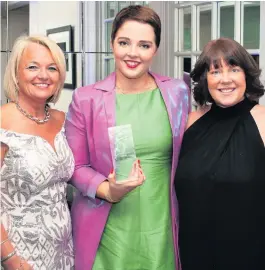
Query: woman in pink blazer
x: 128, y: 225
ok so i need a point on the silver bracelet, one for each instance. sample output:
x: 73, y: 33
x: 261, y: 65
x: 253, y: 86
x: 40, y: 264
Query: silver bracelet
x: 4, y: 241
x: 8, y: 256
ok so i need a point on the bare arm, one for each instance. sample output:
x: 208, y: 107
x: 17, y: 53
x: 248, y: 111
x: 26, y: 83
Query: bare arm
x: 9, y: 259
x: 258, y: 113
x: 7, y: 250
x: 194, y: 116
x: 6, y: 246
x: 12, y: 261
x: 4, y: 149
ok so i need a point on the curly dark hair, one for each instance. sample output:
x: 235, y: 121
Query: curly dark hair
x: 233, y: 54
x: 140, y: 14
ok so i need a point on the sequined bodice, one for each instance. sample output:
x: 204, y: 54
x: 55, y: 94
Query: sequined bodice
x: 34, y: 211
x: 33, y: 174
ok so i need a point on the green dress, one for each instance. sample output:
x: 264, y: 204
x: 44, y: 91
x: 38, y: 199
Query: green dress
x: 138, y: 233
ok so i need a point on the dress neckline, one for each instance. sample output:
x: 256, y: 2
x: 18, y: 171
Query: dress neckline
x: 242, y: 107
x: 139, y: 93
x: 52, y: 146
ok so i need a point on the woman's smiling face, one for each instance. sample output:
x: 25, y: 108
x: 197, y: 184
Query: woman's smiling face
x: 226, y: 84
x: 134, y: 48
x: 38, y: 76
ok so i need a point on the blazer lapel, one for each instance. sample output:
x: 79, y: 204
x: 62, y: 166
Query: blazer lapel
x: 110, y: 104
x: 107, y: 86
x: 174, y: 113
x: 164, y: 86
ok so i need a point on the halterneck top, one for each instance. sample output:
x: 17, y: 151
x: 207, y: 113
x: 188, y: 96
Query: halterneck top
x: 220, y: 186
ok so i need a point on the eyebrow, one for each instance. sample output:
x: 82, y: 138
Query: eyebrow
x: 142, y: 41
x: 34, y: 62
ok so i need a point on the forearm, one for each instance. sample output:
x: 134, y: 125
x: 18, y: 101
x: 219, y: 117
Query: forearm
x: 87, y: 180
x: 114, y: 192
x: 7, y: 249
x: 102, y: 190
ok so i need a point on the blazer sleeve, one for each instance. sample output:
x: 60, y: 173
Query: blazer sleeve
x: 189, y: 100
x: 84, y: 178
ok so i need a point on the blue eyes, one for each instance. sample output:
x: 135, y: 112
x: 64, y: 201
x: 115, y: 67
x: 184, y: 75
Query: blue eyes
x: 32, y: 67
x: 52, y: 68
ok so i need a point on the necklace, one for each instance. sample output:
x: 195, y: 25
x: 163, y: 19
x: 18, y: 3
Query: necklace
x: 33, y: 118
x: 149, y: 86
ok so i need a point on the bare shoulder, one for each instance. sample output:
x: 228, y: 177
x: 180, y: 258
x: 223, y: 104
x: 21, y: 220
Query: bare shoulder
x: 258, y: 113
x: 7, y: 115
x: 58, y: 116
x: 194, y: 116
x: 7, y: 108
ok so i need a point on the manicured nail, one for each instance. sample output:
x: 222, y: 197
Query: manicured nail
x: 139, y: 162
x: 141, y: 172
x: 112, y: 171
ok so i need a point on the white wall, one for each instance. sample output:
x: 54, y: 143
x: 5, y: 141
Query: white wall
x: 52, y: 14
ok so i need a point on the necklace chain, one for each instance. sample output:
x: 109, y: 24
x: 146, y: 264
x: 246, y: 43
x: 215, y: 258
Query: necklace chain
x: 33, y: 118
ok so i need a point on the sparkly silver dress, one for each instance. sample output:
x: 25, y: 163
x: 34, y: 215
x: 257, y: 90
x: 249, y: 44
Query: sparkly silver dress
x: 34, y: 210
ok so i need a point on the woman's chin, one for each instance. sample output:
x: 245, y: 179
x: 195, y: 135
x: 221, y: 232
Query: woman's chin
x: 228, y: 102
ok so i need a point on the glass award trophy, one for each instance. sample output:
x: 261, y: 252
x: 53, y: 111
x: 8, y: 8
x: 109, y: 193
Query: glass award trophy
x: 123, y: 152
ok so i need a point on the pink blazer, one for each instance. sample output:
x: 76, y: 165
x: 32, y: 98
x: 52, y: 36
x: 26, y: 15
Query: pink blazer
x: 91, y: 112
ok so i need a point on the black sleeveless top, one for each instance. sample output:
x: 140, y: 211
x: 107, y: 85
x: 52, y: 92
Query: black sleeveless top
x: 220, y: 186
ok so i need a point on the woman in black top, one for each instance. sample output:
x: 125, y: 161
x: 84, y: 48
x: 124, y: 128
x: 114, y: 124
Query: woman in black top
x: 220, y: 180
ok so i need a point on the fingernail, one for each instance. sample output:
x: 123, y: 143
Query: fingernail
x: 112, y: 171
x: 141, y: 172
x: 139, y: 161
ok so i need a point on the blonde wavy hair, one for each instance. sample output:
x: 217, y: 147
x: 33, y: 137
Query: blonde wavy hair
x: 10, y: 78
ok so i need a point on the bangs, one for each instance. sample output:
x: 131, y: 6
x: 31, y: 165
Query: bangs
x: 217, y: 61
x: 215, y: 54
x: 223, y: 51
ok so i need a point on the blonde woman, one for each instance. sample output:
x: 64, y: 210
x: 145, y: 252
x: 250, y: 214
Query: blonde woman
x: 36, y: 160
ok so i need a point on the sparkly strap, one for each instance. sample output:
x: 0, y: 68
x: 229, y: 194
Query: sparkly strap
x: 5, y: 136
